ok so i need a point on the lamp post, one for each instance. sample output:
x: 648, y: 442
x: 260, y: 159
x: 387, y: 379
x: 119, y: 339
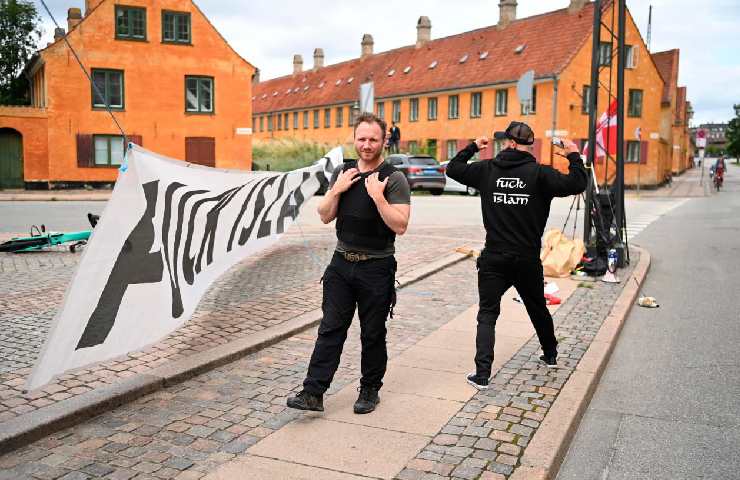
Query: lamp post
x: 354, y: 112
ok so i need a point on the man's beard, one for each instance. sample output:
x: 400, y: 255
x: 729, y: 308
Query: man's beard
x: 374, y: 158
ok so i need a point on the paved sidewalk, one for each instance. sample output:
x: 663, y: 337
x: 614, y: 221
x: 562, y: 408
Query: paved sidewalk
x: 688, y: 184
x: 219, y: 419
x: 55, y: 195
x: 260, y: 293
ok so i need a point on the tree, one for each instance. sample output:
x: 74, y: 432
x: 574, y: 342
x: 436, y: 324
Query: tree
x: 19, y: 36
x: 733, y: 136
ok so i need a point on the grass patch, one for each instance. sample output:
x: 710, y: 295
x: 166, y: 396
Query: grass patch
x: 284, y: 155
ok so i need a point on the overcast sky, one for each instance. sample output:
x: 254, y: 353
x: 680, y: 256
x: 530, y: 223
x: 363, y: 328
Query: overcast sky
x: 269, y: 32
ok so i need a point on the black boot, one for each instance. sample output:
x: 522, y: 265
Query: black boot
x: 307, y: 401
x: 367, y: 400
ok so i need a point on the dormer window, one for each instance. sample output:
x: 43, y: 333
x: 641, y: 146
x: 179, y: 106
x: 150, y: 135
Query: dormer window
x: 391, y: 73
x: 464, y: 58
x: 520, y: 48
x: 305, y: 88
x: 287, y: 91
x: 338, y: 82
x: 295, y: 90
x: 407, y: 69
x: 433, y: 64
x: 274, y: 94
x: 483, y: 55
x: 349, y: 80
x: 321, y: 85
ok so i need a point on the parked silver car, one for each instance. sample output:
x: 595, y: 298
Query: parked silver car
x: 423, y: 172
x: 455, y: 186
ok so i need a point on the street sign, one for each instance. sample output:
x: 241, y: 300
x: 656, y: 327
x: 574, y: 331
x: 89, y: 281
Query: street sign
x: 701, y: 138
x: 367, y: 97
x: 524, y: 87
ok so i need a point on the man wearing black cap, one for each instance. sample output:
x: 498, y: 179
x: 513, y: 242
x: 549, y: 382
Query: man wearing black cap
x: 516, y: 193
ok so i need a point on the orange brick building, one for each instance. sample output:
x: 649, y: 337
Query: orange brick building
x: 444, y: 92
x: 173, y: 82
x: 675, y: 112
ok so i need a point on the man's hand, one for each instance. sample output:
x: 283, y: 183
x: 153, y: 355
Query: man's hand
x: 345, y: 180
x: 570, y: 147
x: 374, y: 186
x: 481, y: 143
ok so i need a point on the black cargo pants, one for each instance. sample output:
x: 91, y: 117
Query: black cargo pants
x: 497, y: 272
x: 367, y: 285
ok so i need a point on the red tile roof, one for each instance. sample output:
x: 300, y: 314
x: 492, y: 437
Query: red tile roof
x: 667, y: 63
x: 551, y: 40
x: 681, y: 106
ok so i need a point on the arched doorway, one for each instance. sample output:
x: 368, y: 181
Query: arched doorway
x: 11, y: 158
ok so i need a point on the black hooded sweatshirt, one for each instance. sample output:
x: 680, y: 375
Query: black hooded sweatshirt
x: 515, y: 194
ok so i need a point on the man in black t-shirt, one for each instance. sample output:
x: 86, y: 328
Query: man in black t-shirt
x: 371, y: 202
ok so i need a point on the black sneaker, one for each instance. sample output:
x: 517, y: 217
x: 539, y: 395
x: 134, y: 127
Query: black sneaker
x: 307, y: 401
x: 367, y: 400
x: 550, y: 359
x: 478, y: 382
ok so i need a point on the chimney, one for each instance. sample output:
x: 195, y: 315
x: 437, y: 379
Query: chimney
x: 58, y: 34
x: 507, y: 12
x: 423, y: 31
x: 256, y: 76
x: 367, y: 45
x: 91, y: 4
x: 297, y: 64
x: 318, y: 58
x: 576, y: 5
x: 74, y: 16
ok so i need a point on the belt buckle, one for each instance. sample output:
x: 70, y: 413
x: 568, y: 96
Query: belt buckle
x: 352, y: 256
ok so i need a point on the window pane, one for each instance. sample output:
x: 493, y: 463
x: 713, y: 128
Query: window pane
x: 121, y: 23
x: 138, y: 23
x: 116, y: 150
x: 396, y: 110
x: 305, y: 119
x: 168, y: 26
x: 101, y: 151
x: 115, y: 89
x: 381, y: 110
x: 451, y: 148
x: 99, y: 91
x: 183, y: 28
x: 205, y: 94
x: 191, y: 95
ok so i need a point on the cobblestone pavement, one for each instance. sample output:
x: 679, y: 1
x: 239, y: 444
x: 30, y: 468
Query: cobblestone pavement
x: 187, y: 430
x: 261, y: 292
x: 487, y: 437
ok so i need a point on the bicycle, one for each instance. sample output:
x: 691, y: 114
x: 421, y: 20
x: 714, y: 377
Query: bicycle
x: 40, y: 239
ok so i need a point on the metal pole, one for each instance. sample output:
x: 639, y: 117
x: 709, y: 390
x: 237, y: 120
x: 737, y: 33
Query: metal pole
x: 592, y: 105
x: 619, y: 181
x: 554, y: 115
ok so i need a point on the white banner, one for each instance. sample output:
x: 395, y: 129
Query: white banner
x: 168, y: 232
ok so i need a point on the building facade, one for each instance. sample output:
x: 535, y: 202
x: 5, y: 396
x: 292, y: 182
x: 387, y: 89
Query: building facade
x: 172, y: 81
x: 444, y: 92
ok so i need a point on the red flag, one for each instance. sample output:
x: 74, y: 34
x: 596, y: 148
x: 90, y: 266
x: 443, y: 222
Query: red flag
x: 606, y: 133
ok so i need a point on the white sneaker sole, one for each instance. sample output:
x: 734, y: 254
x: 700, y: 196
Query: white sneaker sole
x: 547, y: 364
x: 475, y: 385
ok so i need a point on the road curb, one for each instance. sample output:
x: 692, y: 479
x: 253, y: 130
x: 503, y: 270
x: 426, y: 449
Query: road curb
x: 545, y: 453
x: 27, y: 428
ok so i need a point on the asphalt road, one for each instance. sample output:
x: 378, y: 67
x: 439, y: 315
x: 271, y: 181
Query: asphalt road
x: 668, y: 405
x: 427, y: 210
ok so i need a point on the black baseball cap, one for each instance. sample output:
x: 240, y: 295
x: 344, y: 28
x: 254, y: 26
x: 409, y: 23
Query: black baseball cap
x: 517, y: 131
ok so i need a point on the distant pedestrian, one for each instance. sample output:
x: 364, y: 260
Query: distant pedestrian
x: 395, y: 137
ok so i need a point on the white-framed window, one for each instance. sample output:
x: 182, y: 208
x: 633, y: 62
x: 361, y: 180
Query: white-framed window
x: 396, y: 111
x: 108, y: 149
x: 432, y: 108
x: 380, y: 110
x: 451, y: 149
x: 633, y: 152
x: 453, y: 106
x: 476, y: 101
x: 502, y: 102
x: 630, y: 56
x: 413, y: 109
x: 605, y: 53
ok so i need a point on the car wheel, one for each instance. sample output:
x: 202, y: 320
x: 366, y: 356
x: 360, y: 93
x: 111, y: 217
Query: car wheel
x: 471, y: 191
x: 436, y: 191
